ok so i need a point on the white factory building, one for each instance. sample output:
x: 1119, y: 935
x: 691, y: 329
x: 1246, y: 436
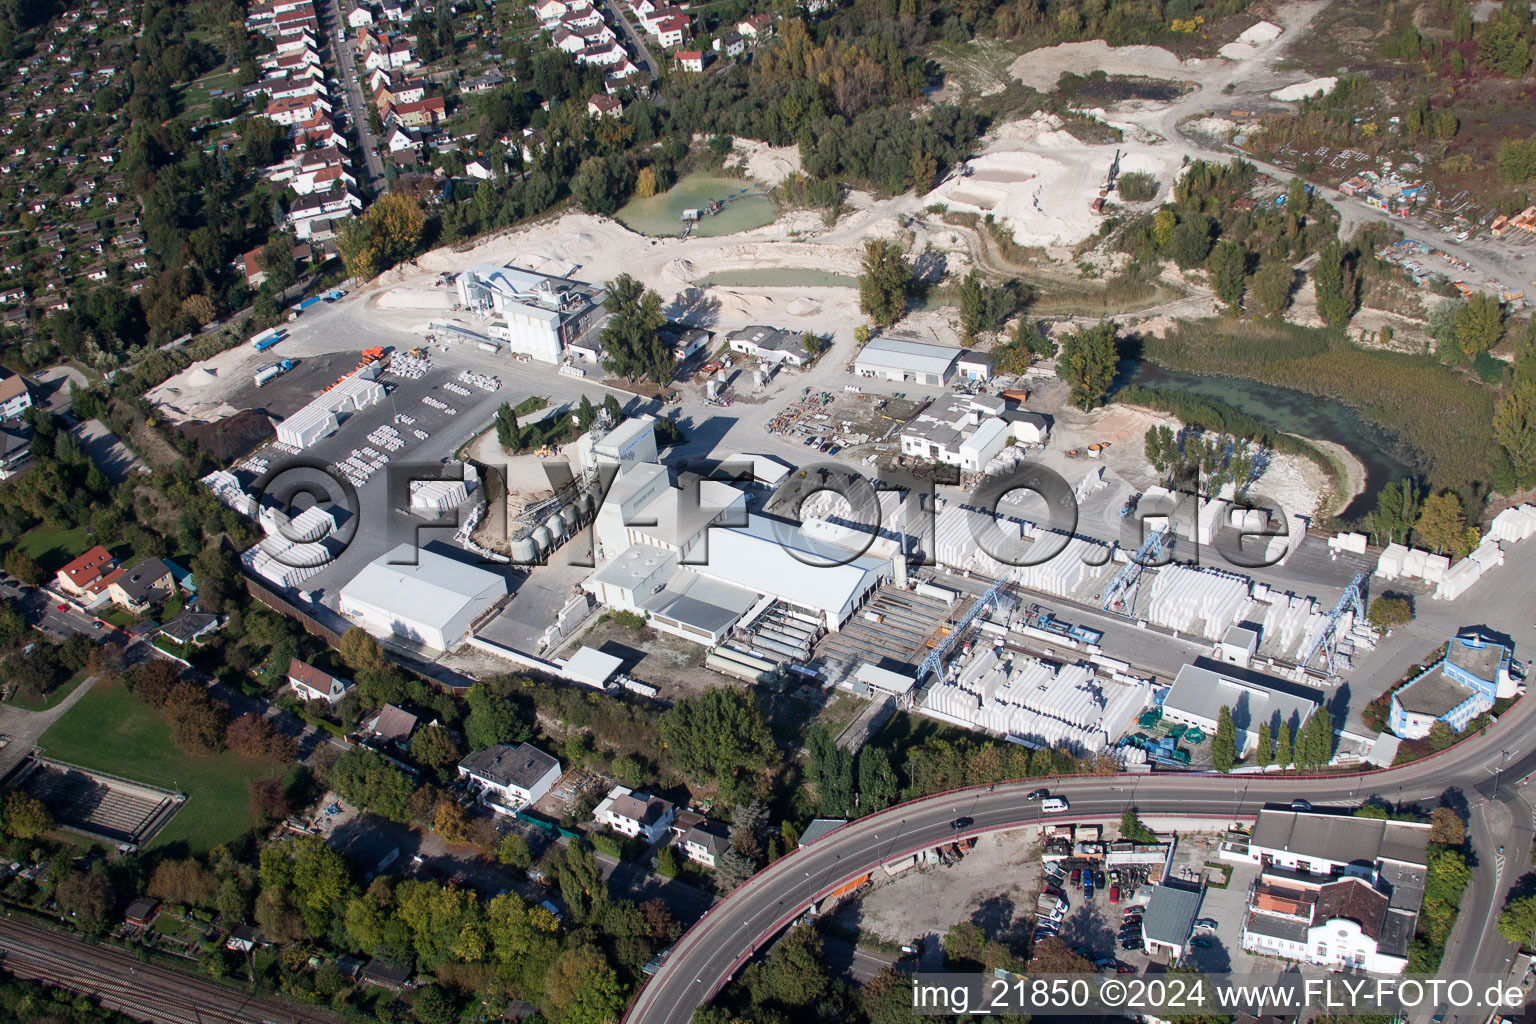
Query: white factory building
x: 632, y: 442
x: 699, y: 566
x: 323, y: 415
x: 1037, y: 702
x: 969, y: 431
x: 431, y: 602
x: 533, y: 314
x: 897, y: 359
x: 1202, y: 689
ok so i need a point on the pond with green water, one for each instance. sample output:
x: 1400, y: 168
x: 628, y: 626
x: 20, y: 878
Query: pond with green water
x: 663, y: 214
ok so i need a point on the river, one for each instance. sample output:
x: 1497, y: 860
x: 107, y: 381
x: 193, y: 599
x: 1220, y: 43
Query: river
x: 1294, y: 412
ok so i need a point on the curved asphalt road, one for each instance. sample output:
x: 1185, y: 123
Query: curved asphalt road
x: 714, y: 948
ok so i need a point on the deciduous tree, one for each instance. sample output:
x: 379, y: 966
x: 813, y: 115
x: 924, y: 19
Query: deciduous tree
x: 884, y: 282
x: 1088, y: 363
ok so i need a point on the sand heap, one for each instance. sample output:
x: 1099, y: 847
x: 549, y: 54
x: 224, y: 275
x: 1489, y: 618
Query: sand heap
x: 1042, y: 182
x: 1040, y: 68
x: 1302, y: 90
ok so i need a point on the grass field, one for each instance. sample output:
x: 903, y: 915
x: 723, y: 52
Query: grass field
x: 59, y: 692
x: 110, y: 730
x: 50, y: 546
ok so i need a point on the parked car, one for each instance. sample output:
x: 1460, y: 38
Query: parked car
x: 1121, y: 968
x: 1098, y: 879
x: 1201, y: 942
x: 1077, y: 876
x: 1206, y: 922
x: 1114, y: 894
x: 1051, y: 889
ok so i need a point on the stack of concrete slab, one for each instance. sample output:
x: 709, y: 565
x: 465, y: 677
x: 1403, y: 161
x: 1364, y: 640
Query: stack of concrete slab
x: 959, y: 530
x: 1351, y: 542
x: 1460, y: 577
x: 1037, y: 701
x: 1203, y: 601
x: 1397, y: 562
x: 1514, y: 524
x: 1287, y: 618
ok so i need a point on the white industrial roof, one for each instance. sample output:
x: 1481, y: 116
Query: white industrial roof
x: 909, y: 356
x: 757, y: 558
x: 591, y: 667
x: 626, y: 433
x: 1200, y: 691
x: 765, y: 468
x: 884, y: 680
x: 431, y: 592
x: 984, y: 435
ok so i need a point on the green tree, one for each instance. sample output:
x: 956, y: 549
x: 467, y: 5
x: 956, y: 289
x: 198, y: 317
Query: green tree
x: 277, y: 261
x: 585, y: 412
x: 492, y: 719
x: 877, y: 780
x: 1446, y: 827
x: 1088, y: 363
x: 1228, y: 267
x: 434, y: 748
x: 1514, y: 425
x: 1271, y: 288
x: 88, y: 898
x: 514, y: 853
x: 390, y: 230
x: 666, y: 862
x: 631, y: 335
x: 1136, y: 186
x: 581, y: 884
x: 1442, y: 524
x: 509, y: 433
x: 1265, y: 753
x: 24, y: 567
x: 367, y: 779
x: 884, y: 282
x: 981, y: 306
x: 1224, y: 743
x: 793, y: 975
x: 613, y: 410
x: 1517, y: 923
x: 1334, y: 288
x: 1397, y: 510
x: 1283, y: 755
x: 429, y: 1005
x: 1387, y: 611
x: 719, y: 737
x: 1479, y: 323
x: 23, y: 816
x: 1190, y: 242
x: 1134, y: 829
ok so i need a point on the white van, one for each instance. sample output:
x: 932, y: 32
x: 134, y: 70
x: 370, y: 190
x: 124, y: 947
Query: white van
x: 1052, y: 805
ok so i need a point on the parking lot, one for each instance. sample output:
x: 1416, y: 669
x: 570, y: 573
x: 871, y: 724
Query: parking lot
x: 425, y: 416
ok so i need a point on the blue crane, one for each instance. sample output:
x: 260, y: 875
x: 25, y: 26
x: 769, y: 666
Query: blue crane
x: 934, y: 662
x: 1328, y: 637
x: 1151, y: 549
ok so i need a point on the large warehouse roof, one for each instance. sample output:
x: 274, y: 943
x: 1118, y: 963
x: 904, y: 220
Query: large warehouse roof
x: 907, y: 356
x: 1200, y: 691
x: 757, y: 558
x: 431, y: 592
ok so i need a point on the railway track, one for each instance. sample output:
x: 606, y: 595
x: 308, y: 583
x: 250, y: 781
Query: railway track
x: 144, y: 991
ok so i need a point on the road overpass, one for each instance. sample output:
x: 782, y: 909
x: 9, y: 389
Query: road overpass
x: 1482, y: 771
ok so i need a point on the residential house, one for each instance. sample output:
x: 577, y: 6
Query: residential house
x: 671, y: 31
x: 243, y: 938
x: 377, y: 972
x: 604, y: 106
x: 510, y: 778
x: 422, y: 112
x: 690, y: 60
x: 141, y: 912
x: 359, y: 17
x: 731, y: 44
x: 392, y: 725
x: 756, y: 27
x: 144, y: 584
x: 1463, y: 683
x: 189, y: 627
x: 251, y: 263
x: 309, y: 683
x: 15, y: 447
x: 635, y: 814
x: 82, y: 578
x: 704, y: 842
x: 15, y: 399
x: 769, y: 344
